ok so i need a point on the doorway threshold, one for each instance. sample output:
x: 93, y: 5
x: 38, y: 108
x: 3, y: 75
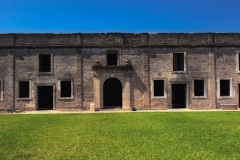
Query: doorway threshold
x: 179, y: 109
x: 42, y: 112
x: 109, y: 109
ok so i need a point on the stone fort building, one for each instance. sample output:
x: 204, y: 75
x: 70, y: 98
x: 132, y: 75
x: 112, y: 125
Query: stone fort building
x: 146, y: 71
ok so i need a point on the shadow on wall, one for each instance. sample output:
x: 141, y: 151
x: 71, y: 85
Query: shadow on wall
x: 136, y: 84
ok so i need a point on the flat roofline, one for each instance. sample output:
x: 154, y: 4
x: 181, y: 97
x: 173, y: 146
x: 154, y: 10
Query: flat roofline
x: 113, y: 39
x: 133, y: 33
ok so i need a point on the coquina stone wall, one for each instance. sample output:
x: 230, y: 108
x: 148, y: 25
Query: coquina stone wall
x: 207, y: 56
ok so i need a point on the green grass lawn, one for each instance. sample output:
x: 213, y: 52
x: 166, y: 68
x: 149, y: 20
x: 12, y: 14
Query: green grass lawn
x: 166, y: 135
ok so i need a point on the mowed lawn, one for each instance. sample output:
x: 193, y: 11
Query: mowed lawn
x: 159, y: 135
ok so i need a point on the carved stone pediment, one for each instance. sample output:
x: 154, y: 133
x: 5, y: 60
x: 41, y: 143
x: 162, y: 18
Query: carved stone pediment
x: 102, y: 73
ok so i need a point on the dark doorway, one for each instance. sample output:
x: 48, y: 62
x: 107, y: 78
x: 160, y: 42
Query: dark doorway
x: 45, y: 97
x: 239, y: 95
x: 179, y: 96
x: 112, y: 93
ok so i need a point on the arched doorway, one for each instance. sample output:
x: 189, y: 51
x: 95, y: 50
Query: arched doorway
x: 112, y: 93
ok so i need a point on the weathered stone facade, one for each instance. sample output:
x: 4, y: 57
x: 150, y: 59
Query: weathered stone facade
x: 143, y: 61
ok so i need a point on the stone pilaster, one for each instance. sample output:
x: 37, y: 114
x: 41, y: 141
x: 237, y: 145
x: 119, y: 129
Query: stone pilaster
x: 97, y: 90
x: 126, y: 93
x: 79, y: 78
x: 146, y: 99
x: 212, y: 81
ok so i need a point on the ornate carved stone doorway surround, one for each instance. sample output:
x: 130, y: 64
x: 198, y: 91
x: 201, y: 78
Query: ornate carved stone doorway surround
x: 102, y: 73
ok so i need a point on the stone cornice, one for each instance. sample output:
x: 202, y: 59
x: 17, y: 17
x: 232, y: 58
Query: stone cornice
x: 119, y: 40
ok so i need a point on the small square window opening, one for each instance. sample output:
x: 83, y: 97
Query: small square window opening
x: 24, y: 89
x: 112, y: 59
x: 158, y: 88
x: 66, y: 90
x: 238, y: 62
x: 199, y: 87
x: 224, y: 87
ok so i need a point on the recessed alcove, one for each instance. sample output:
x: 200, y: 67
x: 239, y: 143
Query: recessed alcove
x: 120, y: 77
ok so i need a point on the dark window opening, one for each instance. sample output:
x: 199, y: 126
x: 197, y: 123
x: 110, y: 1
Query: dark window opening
x: 0, y: 89
x: 112, y: 93
x: 238, y: 94
x: 199, y: 87
x: 45, y: 63
x: 112, y: 59
x: 24, y: 89
x: 178, y: 61
x: 66, y: 88
x: 179, y: 96
x: 224, y: 87
x: 45, y: 97
x: 239, y: 61
x: 158, y: 87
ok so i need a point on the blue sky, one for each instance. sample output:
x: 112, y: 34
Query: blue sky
x: 131, y: 16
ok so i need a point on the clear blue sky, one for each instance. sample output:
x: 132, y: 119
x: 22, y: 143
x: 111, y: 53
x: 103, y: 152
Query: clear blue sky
x: 93, y: 16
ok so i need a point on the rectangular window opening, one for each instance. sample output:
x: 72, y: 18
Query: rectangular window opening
x: 178, y: 61
x: 238, y: 61
x: 66, y: 89
x: 45, y: 63
x: 112, y: 59
x: 199, y: 87
x: 224, y: 87
x: 0, y: 90
x: 158, y: 88
x: 24, y: 89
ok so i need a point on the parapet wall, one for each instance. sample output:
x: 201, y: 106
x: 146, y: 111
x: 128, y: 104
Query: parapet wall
x: 121, y: 40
